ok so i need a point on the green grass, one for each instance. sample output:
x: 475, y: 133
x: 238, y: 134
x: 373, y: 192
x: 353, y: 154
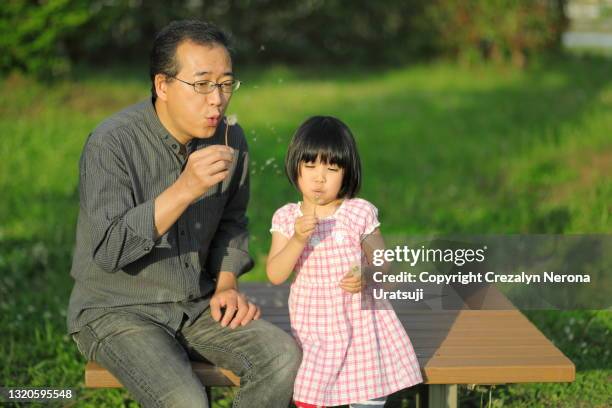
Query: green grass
x: 445, y: 149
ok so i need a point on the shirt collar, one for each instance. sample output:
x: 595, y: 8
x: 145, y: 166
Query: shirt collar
x: 161, y: 132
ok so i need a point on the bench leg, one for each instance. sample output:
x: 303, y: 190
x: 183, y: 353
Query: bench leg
x: 209, y: 395
x: 442, y: 396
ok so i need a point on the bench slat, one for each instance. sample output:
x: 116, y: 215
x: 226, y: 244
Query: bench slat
x: 98, y: 377
x: 453, y: 347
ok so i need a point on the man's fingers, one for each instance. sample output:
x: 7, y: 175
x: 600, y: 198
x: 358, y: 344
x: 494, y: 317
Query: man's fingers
x: 242, y: 310
x: 250, y: 315
x: 350, y: 277
x: 207, y: 168
x: 351, y: 283
x: 350, y: 288
x: 215, y: 309
x: 230, y: 310
x: 211, y: 151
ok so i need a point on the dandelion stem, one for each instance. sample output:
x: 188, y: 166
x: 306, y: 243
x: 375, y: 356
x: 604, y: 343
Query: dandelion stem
x: 226, y: 130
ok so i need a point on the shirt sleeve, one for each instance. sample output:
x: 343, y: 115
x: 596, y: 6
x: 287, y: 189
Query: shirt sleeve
x: 280, y: 222
x: 122, y: 231
x: 230, y: 245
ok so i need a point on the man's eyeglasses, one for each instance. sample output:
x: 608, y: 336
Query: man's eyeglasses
x: 206, y: 87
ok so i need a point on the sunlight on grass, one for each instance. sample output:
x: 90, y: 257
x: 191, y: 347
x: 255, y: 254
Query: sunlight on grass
x: 445, y: 149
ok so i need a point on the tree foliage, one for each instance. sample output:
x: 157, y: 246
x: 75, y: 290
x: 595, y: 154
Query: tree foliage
x: 47, y: 35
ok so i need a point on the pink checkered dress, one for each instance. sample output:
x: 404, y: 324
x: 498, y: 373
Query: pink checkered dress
x: 349, y: 354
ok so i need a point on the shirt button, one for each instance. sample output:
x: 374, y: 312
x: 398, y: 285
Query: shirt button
x: 174, y: 146
x: 183, y: 233
x: 186, y: 264
x: 147, y: 248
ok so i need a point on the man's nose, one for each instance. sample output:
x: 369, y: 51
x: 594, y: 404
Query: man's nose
x: 216, y: 97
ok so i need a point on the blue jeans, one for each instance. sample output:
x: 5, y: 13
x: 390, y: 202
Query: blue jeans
x: 154, y: 364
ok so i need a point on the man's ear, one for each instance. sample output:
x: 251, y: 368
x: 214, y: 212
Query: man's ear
x: 161, y: 85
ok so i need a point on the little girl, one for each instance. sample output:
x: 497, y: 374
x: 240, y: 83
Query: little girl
x: 350, y: 356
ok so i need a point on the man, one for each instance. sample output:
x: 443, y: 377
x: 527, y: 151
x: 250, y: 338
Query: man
x: 162, y: 237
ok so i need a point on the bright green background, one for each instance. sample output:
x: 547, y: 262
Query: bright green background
x: 445, y: 149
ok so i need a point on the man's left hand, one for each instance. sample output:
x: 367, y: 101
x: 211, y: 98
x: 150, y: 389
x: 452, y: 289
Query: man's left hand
x: 351, y: 282
x: 239, y: 311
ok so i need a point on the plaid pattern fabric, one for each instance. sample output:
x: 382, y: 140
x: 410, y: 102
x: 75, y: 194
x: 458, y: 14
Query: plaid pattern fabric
x: 349, y: 354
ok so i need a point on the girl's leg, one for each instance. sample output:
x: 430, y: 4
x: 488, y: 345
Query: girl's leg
x: 373, y: 403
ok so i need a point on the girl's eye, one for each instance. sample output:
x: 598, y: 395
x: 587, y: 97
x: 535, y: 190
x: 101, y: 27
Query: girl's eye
x: 309, y: 166
x: 334, y: 169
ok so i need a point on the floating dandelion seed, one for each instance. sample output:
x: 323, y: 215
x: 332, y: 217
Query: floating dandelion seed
x: 230, y: 120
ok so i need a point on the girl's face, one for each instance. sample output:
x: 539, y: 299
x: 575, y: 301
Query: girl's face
x: 320, y: 182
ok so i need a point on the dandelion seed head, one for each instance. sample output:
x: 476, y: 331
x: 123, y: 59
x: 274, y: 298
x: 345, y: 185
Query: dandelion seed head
x: 231, y: 120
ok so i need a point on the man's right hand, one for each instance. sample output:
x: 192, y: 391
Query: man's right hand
x: 205, y: 168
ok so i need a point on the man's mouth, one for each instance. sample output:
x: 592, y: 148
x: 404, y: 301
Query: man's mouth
x: 213, y: 120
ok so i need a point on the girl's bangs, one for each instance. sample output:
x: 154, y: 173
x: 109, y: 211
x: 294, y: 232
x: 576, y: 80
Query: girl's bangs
x: 328, y: 150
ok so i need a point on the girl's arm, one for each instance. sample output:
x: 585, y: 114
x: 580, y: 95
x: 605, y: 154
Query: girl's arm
x: 284, y: 253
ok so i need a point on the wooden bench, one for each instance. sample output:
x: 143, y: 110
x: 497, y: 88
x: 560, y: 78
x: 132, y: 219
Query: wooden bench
x: 453, y: 347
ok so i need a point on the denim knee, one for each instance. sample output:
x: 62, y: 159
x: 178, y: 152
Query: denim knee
x: 287, y: 359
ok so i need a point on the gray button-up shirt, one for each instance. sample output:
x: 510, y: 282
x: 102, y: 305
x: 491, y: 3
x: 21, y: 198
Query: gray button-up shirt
x: 118, y: 263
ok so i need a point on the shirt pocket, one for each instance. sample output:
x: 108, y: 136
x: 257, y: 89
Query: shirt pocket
x: 205, y: 217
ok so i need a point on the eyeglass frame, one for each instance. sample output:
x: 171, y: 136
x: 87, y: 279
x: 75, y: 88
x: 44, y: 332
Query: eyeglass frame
x: 215, y: 84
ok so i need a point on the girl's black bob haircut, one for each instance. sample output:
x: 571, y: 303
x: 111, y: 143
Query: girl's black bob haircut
x: 330, y: 140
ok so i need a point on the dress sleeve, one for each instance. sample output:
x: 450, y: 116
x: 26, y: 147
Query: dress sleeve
x: 368, y: 216
x: 281, y: 222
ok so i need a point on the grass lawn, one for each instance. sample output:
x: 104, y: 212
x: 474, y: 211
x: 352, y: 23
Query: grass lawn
x: 445, y: 149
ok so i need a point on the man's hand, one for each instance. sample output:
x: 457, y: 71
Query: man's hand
x: 351, y: 282
x: 238, y: 309
x: 206, y: 168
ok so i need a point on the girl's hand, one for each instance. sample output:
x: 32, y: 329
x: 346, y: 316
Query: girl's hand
x: 351, y: 282
x: 304, y: 227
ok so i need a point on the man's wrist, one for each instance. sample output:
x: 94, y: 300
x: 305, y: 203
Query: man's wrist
x: 226, y: 280
x: 183, y: 193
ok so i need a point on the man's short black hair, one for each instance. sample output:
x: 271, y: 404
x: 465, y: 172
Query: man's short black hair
x: 163, y: 53
x: 330, y: 140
